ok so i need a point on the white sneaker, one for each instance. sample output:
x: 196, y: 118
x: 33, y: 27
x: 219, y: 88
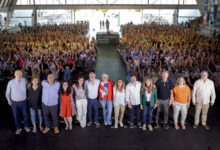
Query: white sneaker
x: 121, y: 124
x: 41, y: 128
x: 18, y: 131
x: 34, y: 130
x: 27, y: 129
x: 82, y: 125
x: 116, y: 126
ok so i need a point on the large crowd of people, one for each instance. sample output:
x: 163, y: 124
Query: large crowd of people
x: 163, y: 64
x: 149, y: 49
x: 39, y: 50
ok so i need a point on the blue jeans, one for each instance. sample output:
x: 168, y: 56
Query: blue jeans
x: 138, y: 111
x: 107, y: 111
x: 147, y: 113
x: 33, y: 115
x: 93, y: 103
x: 19, y: 108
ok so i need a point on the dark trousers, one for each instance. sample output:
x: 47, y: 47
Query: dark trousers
x: 164, y: 105
x: 19, y: 108
x: 132, y: 111
x: 50, y: 110
x: 93, y: 104
x: 147, y: 114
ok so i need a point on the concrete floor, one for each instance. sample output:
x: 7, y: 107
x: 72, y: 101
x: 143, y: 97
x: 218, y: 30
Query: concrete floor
x: 107, y: 138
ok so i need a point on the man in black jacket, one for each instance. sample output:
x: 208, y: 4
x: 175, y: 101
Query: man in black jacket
x: 164, y: 89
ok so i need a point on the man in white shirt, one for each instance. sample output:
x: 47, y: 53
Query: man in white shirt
x: 92, y: 86
x: 203, y: 90
x: 133, y: 99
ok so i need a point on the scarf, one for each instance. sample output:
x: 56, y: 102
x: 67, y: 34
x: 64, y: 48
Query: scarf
x: 148, y: 89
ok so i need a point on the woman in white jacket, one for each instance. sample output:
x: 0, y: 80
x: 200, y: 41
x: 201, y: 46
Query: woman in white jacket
x: 119, y: 101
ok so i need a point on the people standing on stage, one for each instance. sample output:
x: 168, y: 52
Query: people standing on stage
x: 119, y: 101
x: 92, y: 86
x: 100, y: 24
x: 106, y: 98
x: 67, y: 105
x: 164, y: 90
x: 16, y: 96
x: 103, y: 24
x: 50, y: 102
x: 34, y: 97
x: 148, y: 102
x: 181, y: 96
x: 81, y: 101
x: 107, y: 23
x: 133, y: 99
x: 203, y: 96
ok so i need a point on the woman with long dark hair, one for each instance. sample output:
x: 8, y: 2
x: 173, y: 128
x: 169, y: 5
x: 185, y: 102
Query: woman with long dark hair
x: 67, y: 109
x: 34, y: 96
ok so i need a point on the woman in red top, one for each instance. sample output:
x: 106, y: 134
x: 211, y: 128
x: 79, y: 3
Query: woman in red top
x: 67, y: 109
x: 105, y: 93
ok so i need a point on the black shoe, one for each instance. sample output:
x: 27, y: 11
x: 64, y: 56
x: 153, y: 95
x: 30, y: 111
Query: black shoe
x: 97, y: 123
x: 156, y: 126
x: 89, y: 124
x: 131, y: 125
x: 195, y: 126
x: 166, y: 126
x: 206, y: 127
x: 139, y: 125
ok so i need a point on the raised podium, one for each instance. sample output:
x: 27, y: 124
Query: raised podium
x: 110, y: 38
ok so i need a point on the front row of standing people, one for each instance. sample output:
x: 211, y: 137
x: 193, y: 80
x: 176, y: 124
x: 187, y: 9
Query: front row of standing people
x: 51, y: 97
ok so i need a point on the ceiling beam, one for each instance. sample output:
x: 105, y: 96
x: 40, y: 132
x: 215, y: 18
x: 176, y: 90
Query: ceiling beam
x: 109, y: 6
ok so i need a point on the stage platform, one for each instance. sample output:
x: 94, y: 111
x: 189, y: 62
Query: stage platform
x: 110, y: 38
x: 108, y: 138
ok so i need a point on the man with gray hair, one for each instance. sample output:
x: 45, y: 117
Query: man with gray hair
x: 105, y: 93
x: 92, y: 86
x: 16, y: 96
x: 164, y: 89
